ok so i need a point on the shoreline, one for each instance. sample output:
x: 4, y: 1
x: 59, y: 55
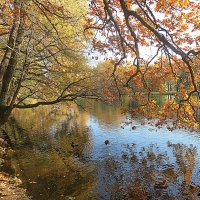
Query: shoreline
x: 10, y: 186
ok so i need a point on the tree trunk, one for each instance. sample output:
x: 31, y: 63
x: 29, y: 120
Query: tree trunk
x: 5, y: 112
x: 7, y: 76
x: 10, y: 44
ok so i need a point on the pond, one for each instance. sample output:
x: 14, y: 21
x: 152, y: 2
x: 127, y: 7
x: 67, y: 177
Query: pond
x: 61, y: 153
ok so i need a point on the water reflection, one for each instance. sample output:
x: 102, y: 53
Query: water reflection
x: 140, y: 163
x: 151, y: 174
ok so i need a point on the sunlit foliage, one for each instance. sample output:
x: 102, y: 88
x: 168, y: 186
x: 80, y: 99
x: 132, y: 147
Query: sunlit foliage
x: 161, y: 40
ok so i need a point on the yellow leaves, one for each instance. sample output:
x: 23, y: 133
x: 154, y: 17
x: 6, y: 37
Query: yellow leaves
x: 129, y: 4
x: 179, y: 3
x: 89, y: 32
x: 163, y: 4
x: 183, y: 2
x: 3, y: 30
x: 196, y: 22
x: 3, y: 177
x: 159, y: 5
x: 183, y: 26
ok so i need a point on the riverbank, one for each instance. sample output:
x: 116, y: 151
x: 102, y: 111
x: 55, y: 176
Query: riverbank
x: 10, y: 185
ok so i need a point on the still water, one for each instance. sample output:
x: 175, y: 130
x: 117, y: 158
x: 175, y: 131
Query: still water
x: 140, y: 162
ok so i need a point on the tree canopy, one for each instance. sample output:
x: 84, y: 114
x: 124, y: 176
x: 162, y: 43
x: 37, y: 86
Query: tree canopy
x: 161, y: 40
x: 149, y: 46
x: 42, y: 53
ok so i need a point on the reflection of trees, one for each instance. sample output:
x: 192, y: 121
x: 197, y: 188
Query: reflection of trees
x: 58, y: 169
x: 167, y: 110
x: 42, y: 118
x: 52, y: 176
x: 63, y: 118
x: 49, y: 167
x: 17, y: 132
x: 106, y: 113
x: 186, y: 160
x: 149, y: 174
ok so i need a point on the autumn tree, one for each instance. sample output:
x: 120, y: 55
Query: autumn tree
x: 107, y: 85
x: 161, y: 39
x: 42, y: 54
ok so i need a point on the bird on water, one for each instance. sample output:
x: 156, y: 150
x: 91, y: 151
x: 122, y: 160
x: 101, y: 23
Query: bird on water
x: 73, y: 145
x: 107, y: 142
